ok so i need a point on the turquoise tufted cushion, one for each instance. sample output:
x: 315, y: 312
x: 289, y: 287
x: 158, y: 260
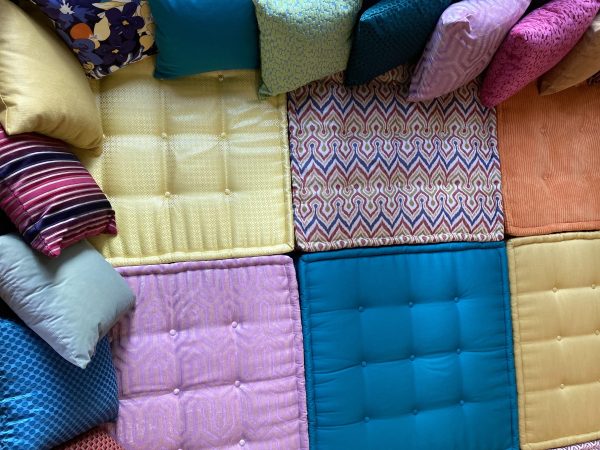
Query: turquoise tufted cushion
x: 409, y: 348
x: 45, y: 400
x: 196, y: 36
x: 390, y: 33
x: 303, y: 40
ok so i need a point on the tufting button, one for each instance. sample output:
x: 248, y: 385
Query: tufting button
x: 562, y: 386
x: 361, y: 309
x: 462, y: 402
x: 554, y: 289
x: 558, y: 338
x: 458, y: 350
x: 223, y: 134
x: 167, y: 194
x: 234, y: 324
x: 455, y: 299
x: 242, y: 442
x: 227, y: 192
x: 412, y: 357
x: 411, y: 304
x: 172, y: 332
x: 163, y: 135
x: 415, y: 412
x: 364, y: 364
x: 175, y: 391
x: 367, y: 419
x: 237, y: 383
x: 220, y: 77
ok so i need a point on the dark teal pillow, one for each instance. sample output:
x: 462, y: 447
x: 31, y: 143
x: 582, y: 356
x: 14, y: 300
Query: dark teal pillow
x: 390, y: 33
x: 196, y: 36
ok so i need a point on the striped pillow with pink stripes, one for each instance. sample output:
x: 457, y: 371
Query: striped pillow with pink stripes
x: 48, y: 194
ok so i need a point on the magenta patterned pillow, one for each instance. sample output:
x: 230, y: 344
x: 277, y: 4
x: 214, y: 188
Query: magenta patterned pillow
x: 535, y: 45
x: 48, y: 194
x: 462, y: 45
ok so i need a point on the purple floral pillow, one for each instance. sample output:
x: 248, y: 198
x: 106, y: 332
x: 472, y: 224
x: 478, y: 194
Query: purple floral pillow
x: 105, y: 35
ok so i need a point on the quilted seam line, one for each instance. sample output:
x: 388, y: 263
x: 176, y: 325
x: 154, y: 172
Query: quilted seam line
x: 5, y: 113
x: 508, y: 333
x: 308, y: 355
x: 553, y: 228
x: 286, y: 169
x: 553, y: 238
x: 518, y: 350
x: 298, y: 355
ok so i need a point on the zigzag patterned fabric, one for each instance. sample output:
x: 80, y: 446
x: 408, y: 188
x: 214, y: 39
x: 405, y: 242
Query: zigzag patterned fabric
x: 370, y: 168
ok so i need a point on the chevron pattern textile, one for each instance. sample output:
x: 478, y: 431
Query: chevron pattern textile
x: 370, y: 168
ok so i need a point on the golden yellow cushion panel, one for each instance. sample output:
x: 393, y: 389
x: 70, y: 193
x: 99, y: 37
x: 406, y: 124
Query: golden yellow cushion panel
x: 555, y: 289
x: 42, y: 86
x: 195, y: 168
x: 580, y: 64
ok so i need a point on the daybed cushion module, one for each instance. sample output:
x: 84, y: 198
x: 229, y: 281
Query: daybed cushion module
x: 409, y: 347
x: 196, y: 168
x: 555, y: 288
x: 370, y: 168
x: 212, y: 357
x: 550, y: 161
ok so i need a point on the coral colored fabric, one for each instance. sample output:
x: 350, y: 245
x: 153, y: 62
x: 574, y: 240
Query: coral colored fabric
x: 95, y: 439
x: 535, y: 45
x: 212, y: 357
x: 550, y: 161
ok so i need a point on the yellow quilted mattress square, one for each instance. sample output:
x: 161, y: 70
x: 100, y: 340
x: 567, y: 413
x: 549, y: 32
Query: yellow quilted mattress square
x: 195, y: 168
x: 555, y: 289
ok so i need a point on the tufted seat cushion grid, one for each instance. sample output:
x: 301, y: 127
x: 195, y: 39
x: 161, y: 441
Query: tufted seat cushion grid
x: 555, y: 287
x: 200, y: 172
x: 409, y: 345
x: 212, y: 357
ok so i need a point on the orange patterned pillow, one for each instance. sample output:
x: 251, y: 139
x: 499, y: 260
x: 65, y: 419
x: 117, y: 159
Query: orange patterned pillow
x: 94, y: 439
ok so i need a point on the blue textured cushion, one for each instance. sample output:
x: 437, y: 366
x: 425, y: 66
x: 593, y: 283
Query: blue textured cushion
x: 390, y: 33
x: 44, y: 399
x: 196, y: 36
x: 409, y: 347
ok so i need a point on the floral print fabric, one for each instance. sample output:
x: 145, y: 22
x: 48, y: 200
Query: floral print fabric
x: 105, y: 35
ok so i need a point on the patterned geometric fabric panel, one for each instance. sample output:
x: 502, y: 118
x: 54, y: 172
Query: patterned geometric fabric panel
x: 555, y: 289
x: 549, y: 148
x: 44, y: 399
x: 409, y: 348
x: 370, y: 168
x: 593, y: 445
x: 95, y: 439
x: 212, y: 357
x: 195, y: 168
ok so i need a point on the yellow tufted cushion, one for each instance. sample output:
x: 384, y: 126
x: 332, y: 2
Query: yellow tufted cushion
x: 195, y: 168
x: 555, y: 288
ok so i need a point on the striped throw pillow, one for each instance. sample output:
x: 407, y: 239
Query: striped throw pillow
x: 48, y: 194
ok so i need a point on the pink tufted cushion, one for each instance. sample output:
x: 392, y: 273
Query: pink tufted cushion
x: 462, y: 45
x: 212, y: 357
x: 535, y: 45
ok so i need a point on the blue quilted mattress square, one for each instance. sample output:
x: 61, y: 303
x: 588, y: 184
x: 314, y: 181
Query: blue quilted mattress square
x: 409, y: 348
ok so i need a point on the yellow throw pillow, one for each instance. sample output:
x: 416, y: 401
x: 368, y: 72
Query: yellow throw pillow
x: 42, y: 86
x: 579, y: 65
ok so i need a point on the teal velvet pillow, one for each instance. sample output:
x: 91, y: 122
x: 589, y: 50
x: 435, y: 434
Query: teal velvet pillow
x: 196, y: 36
x: 390, y: 33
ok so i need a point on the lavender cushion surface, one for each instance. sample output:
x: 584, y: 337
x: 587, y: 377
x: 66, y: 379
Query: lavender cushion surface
x: 212, y: 357
x: 535, y: 45
x: 463, y: 44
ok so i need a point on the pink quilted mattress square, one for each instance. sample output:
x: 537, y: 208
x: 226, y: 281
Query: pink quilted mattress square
x: 211, y: 357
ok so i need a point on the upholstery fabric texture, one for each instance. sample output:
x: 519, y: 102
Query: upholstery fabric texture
x: 370, y: 168
x: 49, y: 195
x: 550, y: 161
x: 105, y: 35
x: 70, y: 302
x: 462, y: 45
x: 95, y: 439
x: 303, y: 40
x: 212, y: 357
x: 42, y: 88
x: 390, y: 33
x: 201, y: 172
x: 409, y: 347
x: 555, y: 288
x: 47, y: 401
x: 580, y: 64
x: 593, y: 445
x: 534, y: 45
x: 204, y: 35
